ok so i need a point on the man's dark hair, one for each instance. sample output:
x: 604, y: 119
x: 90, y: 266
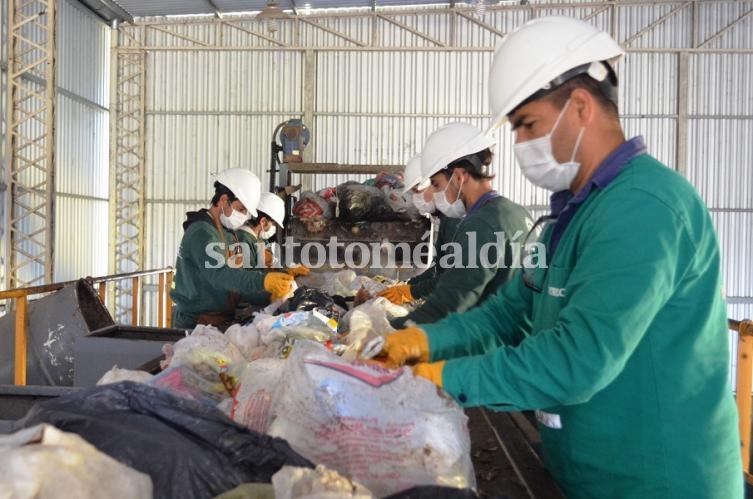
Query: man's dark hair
x: 561, y: 94
x: 254, y: 221
x: 219, y: 190
x: 476, y: 164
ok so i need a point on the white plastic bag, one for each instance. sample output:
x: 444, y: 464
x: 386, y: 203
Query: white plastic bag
x: 205, y: 345
x: 367, y: 321
x: 245, y: 338
x: 252, y: 402
x: 117, y: 374
x: 43, y: 462
x: 386, y: 429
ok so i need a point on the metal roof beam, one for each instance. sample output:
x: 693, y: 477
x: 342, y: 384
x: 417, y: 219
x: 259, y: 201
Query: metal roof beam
x: 333, y: 32
x: 725, y: 29
x: 254, y: 33
x: 410, y: 30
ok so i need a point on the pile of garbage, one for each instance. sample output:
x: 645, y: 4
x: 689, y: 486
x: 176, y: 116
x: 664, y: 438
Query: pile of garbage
x: 283, y: 404
x: 378, y: 199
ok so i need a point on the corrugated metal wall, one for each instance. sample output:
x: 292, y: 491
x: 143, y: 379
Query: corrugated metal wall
x: 3, y: 84
x: 212, y: 110
x: 81, y: 147
x: 82, y: 143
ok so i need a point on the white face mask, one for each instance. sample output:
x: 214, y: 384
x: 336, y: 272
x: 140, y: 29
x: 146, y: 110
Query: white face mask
x: 235, y: 221
x: 538, y: 164
x: 423, y: 206
x: 451, y: 210
x: 267, y: 234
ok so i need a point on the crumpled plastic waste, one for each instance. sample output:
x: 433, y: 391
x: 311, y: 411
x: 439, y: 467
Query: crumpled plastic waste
x: 304, y: 483
x: 252, y: 402
x: 202, y: 366
x: 117, y: 374
x: 368, y: 321
x: 387, y: 429
x: 190, y: 450
x: 42, y: 462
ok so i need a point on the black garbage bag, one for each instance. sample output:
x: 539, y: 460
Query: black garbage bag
x: 358, y: 203
x: 434, y: 492
x: 305, y: 298
x: 189, y: 449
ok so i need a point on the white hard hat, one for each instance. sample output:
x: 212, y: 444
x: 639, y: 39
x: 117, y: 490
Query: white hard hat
x: 413, y: 177
x: 273, y: 206
x: 532, y: 57
x: 245, y: 185
x: 449, y: 143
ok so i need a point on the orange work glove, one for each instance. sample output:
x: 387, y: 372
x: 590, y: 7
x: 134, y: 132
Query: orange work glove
x: 269, y: 258
x: 398, y: 294
x: 431, y: 371
x: 299, y: 270
x: 278, y: 283
x: 405, y: 345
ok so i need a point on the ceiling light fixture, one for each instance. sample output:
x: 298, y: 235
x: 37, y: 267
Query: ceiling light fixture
x: 270, y: 15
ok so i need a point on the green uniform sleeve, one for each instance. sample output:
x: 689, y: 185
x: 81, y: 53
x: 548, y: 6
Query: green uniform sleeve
x: 503, y: 319
x: 459, y: 288
x: 206, y: 257
x: 614, y: 291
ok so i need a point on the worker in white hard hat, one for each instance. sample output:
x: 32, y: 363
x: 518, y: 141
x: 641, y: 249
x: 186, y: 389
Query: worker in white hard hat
x: 422, y: 195
x: 456, y: 158
x: 207, y: 285
x: 259, y: 230
x: 618, y: 337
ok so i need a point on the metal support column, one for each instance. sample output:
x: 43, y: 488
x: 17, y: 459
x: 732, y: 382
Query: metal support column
x: 309, y: 107
x: 127, y: 172
x: 683, y: 103
x: 30, y: 143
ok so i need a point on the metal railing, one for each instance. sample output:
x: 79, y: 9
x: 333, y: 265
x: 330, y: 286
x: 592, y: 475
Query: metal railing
x: 20, y: 297
x: 744, y: 387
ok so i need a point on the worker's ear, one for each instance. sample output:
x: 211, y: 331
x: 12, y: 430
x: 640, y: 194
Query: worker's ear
x: 584, y: 104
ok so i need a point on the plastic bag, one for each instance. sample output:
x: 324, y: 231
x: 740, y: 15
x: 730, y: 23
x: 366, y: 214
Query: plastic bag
x: 386, y: 429
x: 42, y: 462
x: 306, y: 298
x: 190, y: 450
x: 252, y: 403
x: 205, y: 345
x: 387, y: 180
x: 117, y: 374
x: 358, y: 203
x: 203, y: 366
x: 246, y: 338
x: 367, y: 321
x: 371, y: 286
x: 401, y: 203
x: 203, y: 386
x: 312, y: 205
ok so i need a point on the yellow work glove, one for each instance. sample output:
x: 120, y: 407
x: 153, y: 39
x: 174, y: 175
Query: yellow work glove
x: 431, y: 371
x: 398, y: 294
x: 406, y: 345
x: 299, y: 270
x: 278, y: 283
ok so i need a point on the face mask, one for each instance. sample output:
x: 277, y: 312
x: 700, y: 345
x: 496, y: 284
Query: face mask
x: 424, y: 207
x: 267, y: 234
x: 538, y: 164
x: 235, y: 221
x: 451, y: 210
